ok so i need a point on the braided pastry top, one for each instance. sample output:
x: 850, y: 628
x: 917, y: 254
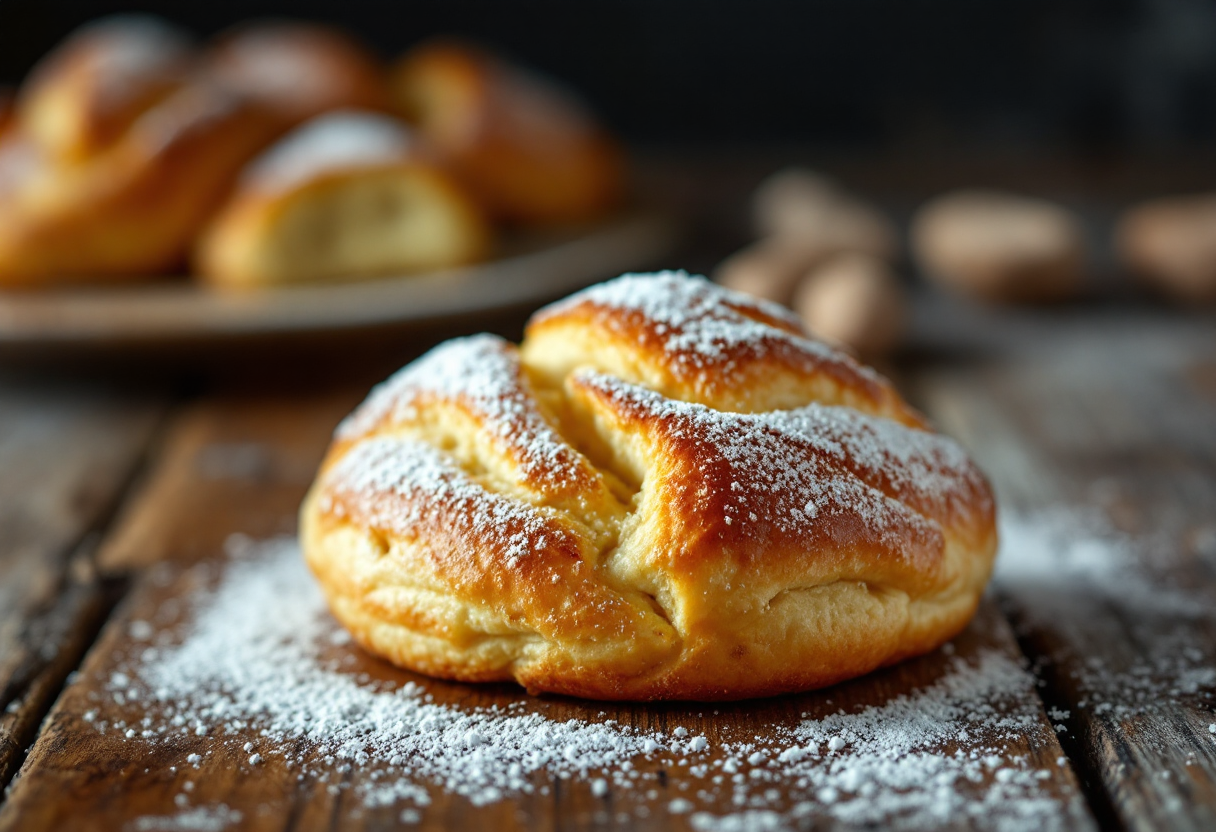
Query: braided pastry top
x: 668, y: 491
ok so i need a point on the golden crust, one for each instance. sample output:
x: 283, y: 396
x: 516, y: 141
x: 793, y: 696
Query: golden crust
x: 298, y: 70
x: 86, y: 93
x: 526, y: 148
x: 590, y: 533
x: 133, y: 209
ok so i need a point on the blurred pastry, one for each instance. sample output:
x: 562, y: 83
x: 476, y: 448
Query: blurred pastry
x: 1000, y: 247
x: 298, y: 70
x: 855, y: 300
x: 813, y: 213
x: 526, y: 148
x: 133, y: 209
x: 1170, y: 244
x: 347, y: 195
x: 86, y: 93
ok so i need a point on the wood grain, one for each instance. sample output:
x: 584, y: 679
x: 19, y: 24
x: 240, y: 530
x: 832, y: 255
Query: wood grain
x: 235, y: 463
x: 1117, y: 422
x: 64, y: 460
x: 184, y: 515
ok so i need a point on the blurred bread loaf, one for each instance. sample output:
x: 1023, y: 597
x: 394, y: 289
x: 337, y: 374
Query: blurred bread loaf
x: 132, y: 209
x: 1170, y: 244
x: 298, y: 70
x: 347, y: 195
x: 1000, y: 247
x: 854, y: 300
x: 85, y: 94
x: 527, y: 148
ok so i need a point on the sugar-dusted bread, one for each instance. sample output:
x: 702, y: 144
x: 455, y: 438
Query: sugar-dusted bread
x: 298, y: 70
x: 132, y: 209
x: 347, y: 195
x: 526, y: 147
x: 668, y: 491
x: 86, y: 93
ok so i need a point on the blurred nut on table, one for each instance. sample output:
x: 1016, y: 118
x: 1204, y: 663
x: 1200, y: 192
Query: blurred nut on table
x: 131, y: 151
x: 1170, y: 245
x: 827, y: 253
x: 1000, y: 246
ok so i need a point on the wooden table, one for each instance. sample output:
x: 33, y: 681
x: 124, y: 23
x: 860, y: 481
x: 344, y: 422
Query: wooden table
x: 111, y: 499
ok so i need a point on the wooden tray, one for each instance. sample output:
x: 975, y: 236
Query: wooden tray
x: 533, y: 271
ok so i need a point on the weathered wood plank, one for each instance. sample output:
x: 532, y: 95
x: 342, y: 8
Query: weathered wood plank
x: 94, y: 750
x: 245, y: 459
x: 65, y: 457
x: 1118, y: 422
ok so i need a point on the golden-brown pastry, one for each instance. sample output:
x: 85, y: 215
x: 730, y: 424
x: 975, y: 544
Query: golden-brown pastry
x: 132, y: 209
x: 84, y: 95
x: 1001, y: 247
x: 1170, y: 244
x: 853, y: 300
x: 347, y: 195
x: 668, y: 491
x: 528, y: 150
x: 298, y: 70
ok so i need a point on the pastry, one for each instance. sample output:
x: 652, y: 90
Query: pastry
x: 132, y: 209
x: 1000, y: 247
x: 347, y: 195
x: 1170, y: 245
x: 853, y: 300
x: 668, y: 491
x: 298, y: 70
x: 84, y: 95
x: 524, y: 146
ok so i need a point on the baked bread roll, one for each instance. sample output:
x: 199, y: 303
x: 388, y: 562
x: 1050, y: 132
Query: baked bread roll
x: 1170, y: 245
x: 84, y: 95
x: 298, y: 70
x: 347, y: 195
x: 668, y: 491
x: 1001, y: 247
x: 133, y: 209
x: 527, y: 149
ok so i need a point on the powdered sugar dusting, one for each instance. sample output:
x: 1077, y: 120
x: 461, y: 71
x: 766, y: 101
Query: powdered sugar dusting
x: 702, y: 326
x: 335, y: 141
x: 425, y: 490
x: 483, y: 373
x: 1067, y: 569
x: 792, y: 470
x: 260, y: 668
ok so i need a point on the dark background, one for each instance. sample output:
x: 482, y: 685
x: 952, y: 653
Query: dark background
x: 1071, y: 75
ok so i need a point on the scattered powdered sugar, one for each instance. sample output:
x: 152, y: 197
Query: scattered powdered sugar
x: 198, y: 819
x: 260, y: 668
x: 1069, y: 571
x: 334, y: 141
